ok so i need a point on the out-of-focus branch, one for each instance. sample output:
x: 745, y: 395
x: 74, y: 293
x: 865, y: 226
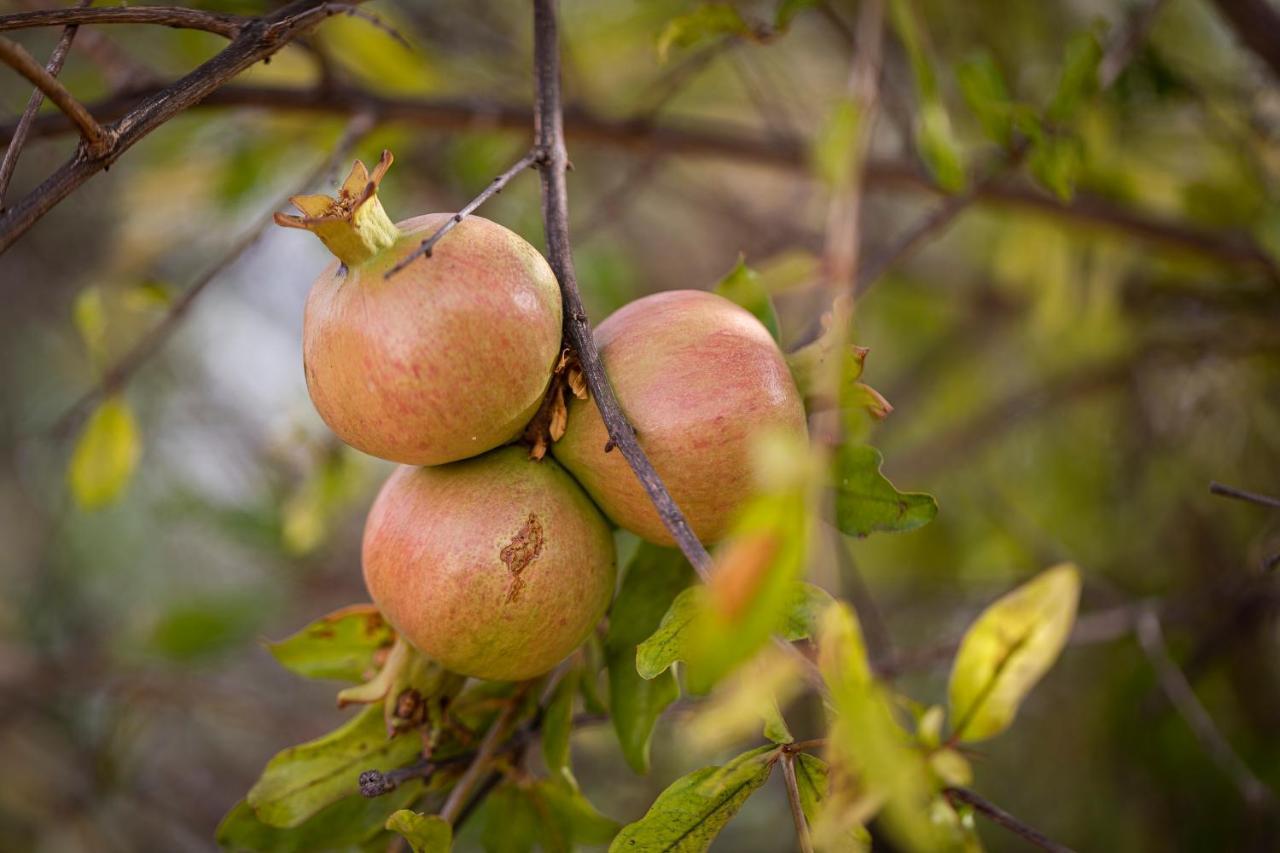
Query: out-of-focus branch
x: 14, y: 150
x: 1002, y: 818
x: 257, y: 40
x: 123, y: 370
x: 164, y: 16
x: 1257, y: 24
x: 16, y: 57
x: 1242, y: 495
x: 1183, y: 697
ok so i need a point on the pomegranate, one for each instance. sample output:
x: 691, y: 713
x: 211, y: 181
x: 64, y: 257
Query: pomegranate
x: 447, y: 358
x: 699, y: 378
x: 497, y: 567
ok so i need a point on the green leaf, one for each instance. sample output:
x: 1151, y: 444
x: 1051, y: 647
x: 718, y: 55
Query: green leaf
x: 835, y: 147
x: 787, y: 10
x: 939, y: 147
x: 1079, y: 79
x: 805, y: 612
x: 984, y: 90
x: 303, y: 779
x: 90, y: 317
x: 105, y: 455
x: 866, y: 502
x: 743, y: 286
x: 550, y: 813
x: 811, y: 783
x: 575, y: 818
x: 666, y: 645
x: 653, y: 579
x: 347, y: 825
x: 307, y: 513
x: 689, y: 814
x: 507, y: 822
x: 207, y: 626
x: 1056, y: 162
x: 708, y: 21
x: 343, y: 645
x: 1008, y: 649
x: 557, y: 723
x: 425, y: 833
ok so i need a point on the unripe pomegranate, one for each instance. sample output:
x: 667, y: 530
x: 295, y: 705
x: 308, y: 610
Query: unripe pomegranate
x: 447, y: 358
x: 497, y: 567
x: 699, y: 378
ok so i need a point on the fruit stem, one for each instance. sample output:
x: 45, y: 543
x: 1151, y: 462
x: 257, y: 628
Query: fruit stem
x: 353, y: 226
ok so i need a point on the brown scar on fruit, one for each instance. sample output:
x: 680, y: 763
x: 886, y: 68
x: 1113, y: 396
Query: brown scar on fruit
x: 522, y: 550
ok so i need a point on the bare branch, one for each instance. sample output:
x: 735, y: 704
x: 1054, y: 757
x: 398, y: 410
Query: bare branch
x: 14, y: 151
x: 258, y: 39
x: 1241, y: 495
x: 16, y: 57
x: 495, y: 187
x: 178, y: 17
x: 1002, y: 818
x: 1183, y: 697
x: 123, y: 370
x: 553, y: 161
x: 803, y: 839
x: 479, y: 766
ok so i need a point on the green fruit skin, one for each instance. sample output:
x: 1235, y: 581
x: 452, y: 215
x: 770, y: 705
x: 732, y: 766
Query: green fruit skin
x: 440, y: 545
x: 699, y: 378
x: 448, y: 358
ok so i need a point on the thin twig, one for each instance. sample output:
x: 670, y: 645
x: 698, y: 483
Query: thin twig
x: 17, y: 58
x: 14, y: 151
x: 803, y: 839
x: 553, y: 161
x: 123, y: 370
x: 258, y: 39
x: 178, y: 17
x: 495, y: 186
x: 1002, y: 818
x: 1175, y: 685
x: 480, y: 764
x: 1240, y: 494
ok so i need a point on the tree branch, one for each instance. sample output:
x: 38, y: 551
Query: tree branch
x: 1002, y: 818
x: 1257, y: 24
x: 17, y: 58
x: 258, y: 39
x: 1175, y: 685
x: 479, y: 766
x: 553, y: 161
x: 178, y: 17
x: 803, y: 839
x: 1241, y: 495
x: 14, y: 151
x: 123, y: 370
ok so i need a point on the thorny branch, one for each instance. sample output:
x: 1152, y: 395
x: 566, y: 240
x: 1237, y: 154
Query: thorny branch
x: 118, y: 374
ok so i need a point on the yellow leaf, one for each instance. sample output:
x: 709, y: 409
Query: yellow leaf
x: 105, y: 455
x: 1007, y: 650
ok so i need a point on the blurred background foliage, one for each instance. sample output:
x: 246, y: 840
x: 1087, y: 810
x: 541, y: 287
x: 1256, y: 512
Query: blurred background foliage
x: 1064, y: 381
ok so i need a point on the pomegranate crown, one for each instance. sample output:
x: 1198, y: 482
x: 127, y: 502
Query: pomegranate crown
x: 352, y: 225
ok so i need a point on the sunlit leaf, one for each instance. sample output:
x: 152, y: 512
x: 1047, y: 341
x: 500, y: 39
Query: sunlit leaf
x: 951, y: 767
x: 344, y: 645
x: 303, y: 779
x: 743, y: 286
x: 346, y: 826
x: 866, y: 502
x: 425, y: 833
x: 689, y: 814
x: 708, y: 21
x: 105, y: 455
x: 1008, y: 649
x: 653, y: 579
x: 812, y: 785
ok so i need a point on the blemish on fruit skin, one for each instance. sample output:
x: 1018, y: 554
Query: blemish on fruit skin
x: 522, y: 550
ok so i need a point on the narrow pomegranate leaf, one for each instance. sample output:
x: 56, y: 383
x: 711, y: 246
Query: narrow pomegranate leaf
x: 300, y: 781
x: 348, y: 823
x: 689, y: 814
x: 653, y: 579
x: 866, y: 502
x: 425, y: 833
x: 105, y: 456
x: 344, y: 645
x: 743, y: 286
x: 1008, y: 649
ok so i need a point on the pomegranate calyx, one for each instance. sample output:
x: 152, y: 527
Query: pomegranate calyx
x: 353, y: 224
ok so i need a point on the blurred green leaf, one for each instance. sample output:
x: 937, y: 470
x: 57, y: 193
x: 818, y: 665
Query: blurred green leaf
x: 425, y: 833
x: 1079, y: 78
x: 939, y: 148
x: 300, y: 781
x: 557, y: 722
x: 90, y: 317
x: 654, y: 577
x: 344, y: 645
x: 834, y: 149
x: 105, y: 455
x: 866, y: 502
x: 207, y: 626
x: 987, y: 95
x: 742, y: 285
x: 307, y: 512
x: 1056, y: 162
x: 802, y: 617
x: 708, y: 21
x: 787, y: 11
x: 346, y: 826
x: 752, y: 696
x: 811, y: 783
x: 1008, y: 649
x: 689, y: 814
